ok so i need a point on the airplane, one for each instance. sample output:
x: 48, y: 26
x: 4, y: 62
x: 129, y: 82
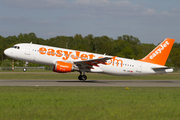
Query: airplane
x: 67, y: 60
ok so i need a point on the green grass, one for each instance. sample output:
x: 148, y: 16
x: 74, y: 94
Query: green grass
x: 91, y: 76
x: 89, y: 103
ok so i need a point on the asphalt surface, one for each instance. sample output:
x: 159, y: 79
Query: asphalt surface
x: 120, y: 83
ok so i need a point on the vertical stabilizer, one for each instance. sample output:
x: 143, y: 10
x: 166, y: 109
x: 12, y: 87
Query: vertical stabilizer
x: 160, y: 54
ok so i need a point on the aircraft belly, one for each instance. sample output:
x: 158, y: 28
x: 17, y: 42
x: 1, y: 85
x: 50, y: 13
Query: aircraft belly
x: 116, y: 70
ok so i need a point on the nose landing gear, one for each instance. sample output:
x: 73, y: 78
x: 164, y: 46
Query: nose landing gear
x: 25, y: 69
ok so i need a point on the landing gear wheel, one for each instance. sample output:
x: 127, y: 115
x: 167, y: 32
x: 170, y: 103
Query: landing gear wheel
x: 24, y: 69
x: 82, y: 77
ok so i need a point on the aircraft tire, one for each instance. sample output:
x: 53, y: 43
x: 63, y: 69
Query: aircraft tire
x: 82, y: 77
x: 24, y: 69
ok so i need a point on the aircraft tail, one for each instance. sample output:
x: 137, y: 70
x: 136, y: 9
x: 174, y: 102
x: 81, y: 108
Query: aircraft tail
x: 160, y: 54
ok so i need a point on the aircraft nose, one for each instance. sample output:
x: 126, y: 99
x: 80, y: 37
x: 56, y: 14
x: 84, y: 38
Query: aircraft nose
x: 7, y: 52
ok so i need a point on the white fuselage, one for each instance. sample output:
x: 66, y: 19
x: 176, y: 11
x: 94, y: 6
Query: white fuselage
x: 116, y: 66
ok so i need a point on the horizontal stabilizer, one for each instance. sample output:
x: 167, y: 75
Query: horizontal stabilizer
x: 163, y: 69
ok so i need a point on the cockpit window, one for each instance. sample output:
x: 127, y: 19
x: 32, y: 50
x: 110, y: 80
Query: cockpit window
x: 16, y: 47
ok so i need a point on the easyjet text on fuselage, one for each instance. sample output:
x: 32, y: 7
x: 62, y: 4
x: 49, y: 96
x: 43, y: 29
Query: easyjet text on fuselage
x: 77, y: 56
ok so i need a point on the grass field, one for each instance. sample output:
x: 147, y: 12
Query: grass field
x: 91, y: 76
x: 89, y: 103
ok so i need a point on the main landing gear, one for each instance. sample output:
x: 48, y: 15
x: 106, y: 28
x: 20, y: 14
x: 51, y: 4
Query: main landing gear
x: 82, y: 77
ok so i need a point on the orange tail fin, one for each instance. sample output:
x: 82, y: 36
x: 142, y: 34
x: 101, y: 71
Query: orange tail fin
x: 160, y: 54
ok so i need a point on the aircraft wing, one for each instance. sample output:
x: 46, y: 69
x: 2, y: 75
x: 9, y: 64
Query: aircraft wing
x: 90, y: 63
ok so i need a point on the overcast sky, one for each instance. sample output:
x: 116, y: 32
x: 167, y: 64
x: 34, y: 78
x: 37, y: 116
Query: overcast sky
x: 149, y: 20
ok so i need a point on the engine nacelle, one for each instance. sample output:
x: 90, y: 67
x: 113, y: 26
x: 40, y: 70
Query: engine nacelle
x: 63, y: 67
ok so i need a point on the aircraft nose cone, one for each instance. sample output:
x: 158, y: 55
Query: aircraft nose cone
x: 7, y: 52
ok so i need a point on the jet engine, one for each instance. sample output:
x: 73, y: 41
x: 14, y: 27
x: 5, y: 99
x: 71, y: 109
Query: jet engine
x: 63, y: 67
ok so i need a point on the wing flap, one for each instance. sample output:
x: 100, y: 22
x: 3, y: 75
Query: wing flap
x: 93, y: 62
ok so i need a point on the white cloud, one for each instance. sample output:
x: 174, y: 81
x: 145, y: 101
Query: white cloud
x: 21, y: 20
x: 98, y: 17
x: 92, y: 2
x: 13, y: 20
x: 92, y: 7
x: 175, y: 10
x: 149, y: 12
x: 35, y: 4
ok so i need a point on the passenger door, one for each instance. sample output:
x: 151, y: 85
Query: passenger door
x: 27, y: 50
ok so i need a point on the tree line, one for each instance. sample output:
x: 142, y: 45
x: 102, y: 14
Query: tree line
x: 125, y: 46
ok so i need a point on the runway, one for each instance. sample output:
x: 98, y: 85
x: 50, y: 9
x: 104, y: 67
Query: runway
x: 118, y: 83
